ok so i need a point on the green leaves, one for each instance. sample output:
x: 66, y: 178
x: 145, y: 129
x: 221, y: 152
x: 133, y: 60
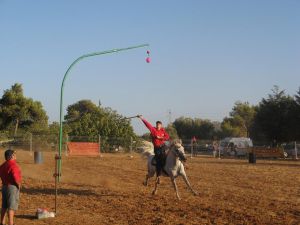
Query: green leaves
x: 240, y: 121
x: 17, y: 111
x: 188, y: 127
x: 277, y: 117
x: 84, y: 118
x: 171, y: 130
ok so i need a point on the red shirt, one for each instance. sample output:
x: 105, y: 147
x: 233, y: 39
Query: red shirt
x: 10, y: 173
x: 155, y: 133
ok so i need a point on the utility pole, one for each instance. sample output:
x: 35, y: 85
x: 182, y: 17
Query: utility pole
x: 169, y: 116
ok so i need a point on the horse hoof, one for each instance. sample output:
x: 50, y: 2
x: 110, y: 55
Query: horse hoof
x: 178, y: 198
x: 153, y: 192
x: 196, y: 193
x: 145, y: 184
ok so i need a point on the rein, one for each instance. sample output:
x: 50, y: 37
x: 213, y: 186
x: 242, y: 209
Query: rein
x: 177, y: 153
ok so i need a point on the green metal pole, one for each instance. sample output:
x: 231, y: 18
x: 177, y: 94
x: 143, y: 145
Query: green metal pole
x: 62, y: 93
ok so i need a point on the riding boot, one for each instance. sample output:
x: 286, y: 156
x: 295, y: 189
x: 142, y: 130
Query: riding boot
x: 158, y: 169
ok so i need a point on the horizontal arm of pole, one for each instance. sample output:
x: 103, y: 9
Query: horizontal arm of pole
x: 99, y: 53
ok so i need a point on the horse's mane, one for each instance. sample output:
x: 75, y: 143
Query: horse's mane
x: 149, y: 150
x: 177, y: 143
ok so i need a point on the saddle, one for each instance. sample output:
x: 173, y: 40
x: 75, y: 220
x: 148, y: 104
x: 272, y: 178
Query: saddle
x: 153, y: 161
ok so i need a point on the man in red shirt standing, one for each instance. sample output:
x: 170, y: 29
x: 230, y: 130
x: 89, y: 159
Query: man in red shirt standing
x: 159, y: 137
x: 10, y: 174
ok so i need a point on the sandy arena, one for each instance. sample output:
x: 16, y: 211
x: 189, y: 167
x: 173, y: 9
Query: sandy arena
x: 109, y: 190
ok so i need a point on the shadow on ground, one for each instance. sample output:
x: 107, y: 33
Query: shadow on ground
x: 67, y: 191
x: 61, y: 191
x: 259, y: 162
x: 26, y: 217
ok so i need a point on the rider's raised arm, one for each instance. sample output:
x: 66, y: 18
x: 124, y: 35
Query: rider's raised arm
x: 148, y: 125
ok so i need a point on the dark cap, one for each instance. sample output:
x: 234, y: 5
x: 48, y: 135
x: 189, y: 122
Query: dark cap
x: 8, y: 154
x: 158, y: 122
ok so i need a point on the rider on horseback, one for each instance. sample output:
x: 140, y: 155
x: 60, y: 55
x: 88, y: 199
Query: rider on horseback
x: 159, y: 137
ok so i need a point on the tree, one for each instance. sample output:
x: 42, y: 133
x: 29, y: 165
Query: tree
x: 297, y: 116
x: 240, y: 121
x: 17, y: 111
x: 53, y: 129
x: 297, y: 97
x: 188, y: 128
x: 184, y: 127
x: 275, y: 117
x: 171, y: 130
x: 84, y: 118
x: 231, y: 128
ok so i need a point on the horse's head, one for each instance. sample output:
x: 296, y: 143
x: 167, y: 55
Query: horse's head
x: 178, y: 149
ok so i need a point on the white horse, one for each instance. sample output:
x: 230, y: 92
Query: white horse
x: 173, y: 167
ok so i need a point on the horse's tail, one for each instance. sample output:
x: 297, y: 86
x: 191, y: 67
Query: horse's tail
x: 148, y: 149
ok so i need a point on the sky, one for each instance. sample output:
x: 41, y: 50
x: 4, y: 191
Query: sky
x: 206, y: 55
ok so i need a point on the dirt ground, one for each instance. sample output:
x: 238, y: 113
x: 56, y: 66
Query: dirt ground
x: 109, y: 190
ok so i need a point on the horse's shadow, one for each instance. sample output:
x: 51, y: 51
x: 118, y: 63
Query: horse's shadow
x: 68, y: 192
x: 26, y: 217
x: 260, y: 162
x: 61, y: 191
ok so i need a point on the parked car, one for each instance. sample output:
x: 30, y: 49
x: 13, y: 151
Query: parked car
x: 235, y: 146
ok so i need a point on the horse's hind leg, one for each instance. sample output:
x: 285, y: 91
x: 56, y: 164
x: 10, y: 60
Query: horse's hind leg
x: 145, y: 183
x: 148, y: 176
x: 150, y: 173
x: 188, y: 184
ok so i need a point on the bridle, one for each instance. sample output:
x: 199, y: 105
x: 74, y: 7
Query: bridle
x: 179, y: 154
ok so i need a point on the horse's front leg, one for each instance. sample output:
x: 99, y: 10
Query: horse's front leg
x: 188, y: 184
x: 175, y: 187
x: 156, y: 185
